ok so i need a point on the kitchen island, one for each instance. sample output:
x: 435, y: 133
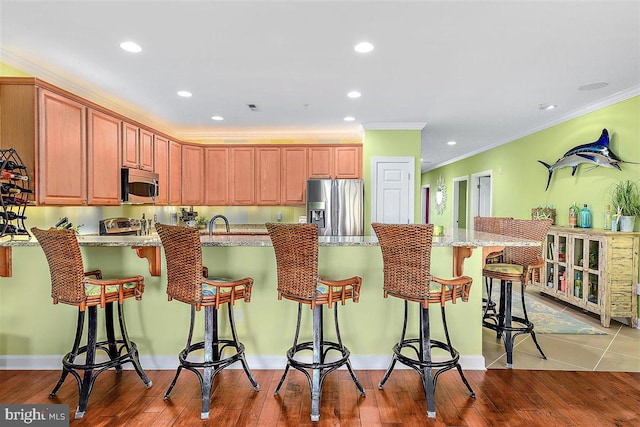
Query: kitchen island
x: 37, y: 333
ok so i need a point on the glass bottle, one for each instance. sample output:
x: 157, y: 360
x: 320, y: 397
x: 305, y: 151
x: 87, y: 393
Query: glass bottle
x: 585, y: 217
x: 607, y: 218
x: 573, y: 215
x: 577, y: 290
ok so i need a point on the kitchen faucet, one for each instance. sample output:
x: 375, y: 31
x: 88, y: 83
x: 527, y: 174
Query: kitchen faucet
x: 212, y: 224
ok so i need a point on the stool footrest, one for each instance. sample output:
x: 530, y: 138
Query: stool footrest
x: 416, y: 363
x: 67, y: 360
x: 326, y: 347
x: 226, y: 361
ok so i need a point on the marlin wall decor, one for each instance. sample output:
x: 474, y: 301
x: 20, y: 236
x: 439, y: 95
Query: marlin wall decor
x: 596, y: 153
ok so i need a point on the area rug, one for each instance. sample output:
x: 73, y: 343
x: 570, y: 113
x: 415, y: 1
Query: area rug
x: 547, y: 320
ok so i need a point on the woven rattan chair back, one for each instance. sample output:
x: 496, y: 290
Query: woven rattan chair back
x: 183, y: 252
x: 65, y: 264
x: 296, y: 249
x: 525, y: 229
x: 489, y: 224
x: 406, y: 256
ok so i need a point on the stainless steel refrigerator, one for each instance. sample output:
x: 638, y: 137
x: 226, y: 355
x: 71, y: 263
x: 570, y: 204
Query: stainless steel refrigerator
x: 337, y: 206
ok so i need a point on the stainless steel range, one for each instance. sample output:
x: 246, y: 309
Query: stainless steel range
x: 119, y: 227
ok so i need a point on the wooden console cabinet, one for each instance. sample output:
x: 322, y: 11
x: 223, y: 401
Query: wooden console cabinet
x: 596, y: 270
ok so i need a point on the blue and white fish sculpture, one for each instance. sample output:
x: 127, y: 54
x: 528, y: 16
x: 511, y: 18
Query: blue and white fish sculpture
x: 596, y: 153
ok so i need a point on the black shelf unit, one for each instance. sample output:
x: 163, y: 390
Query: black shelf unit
x: 15, y: 194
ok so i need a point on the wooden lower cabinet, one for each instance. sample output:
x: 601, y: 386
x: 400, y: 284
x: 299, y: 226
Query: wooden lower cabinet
x: 161, y: 167
x: 192, y: 175
x: 595, y: 270
x: 103, y: 159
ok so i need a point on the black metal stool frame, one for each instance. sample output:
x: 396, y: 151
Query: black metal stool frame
x: 503, y: 321
x: 319, y: 367
x: 213, y: 362
x: 110, y: 347
x: 423, y: 363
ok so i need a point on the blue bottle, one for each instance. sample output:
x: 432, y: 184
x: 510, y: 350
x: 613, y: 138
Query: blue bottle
x: 585, y: 217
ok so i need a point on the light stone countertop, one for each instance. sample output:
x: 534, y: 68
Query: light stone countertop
x: 453, y: 237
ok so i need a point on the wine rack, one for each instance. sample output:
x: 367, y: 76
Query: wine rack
x: 15, y: 192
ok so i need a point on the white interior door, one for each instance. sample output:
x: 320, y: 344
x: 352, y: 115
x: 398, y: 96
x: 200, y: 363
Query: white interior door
x: 393, y: 193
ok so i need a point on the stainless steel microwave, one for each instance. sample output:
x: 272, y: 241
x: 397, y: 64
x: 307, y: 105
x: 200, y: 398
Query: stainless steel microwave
x: 138, y: 186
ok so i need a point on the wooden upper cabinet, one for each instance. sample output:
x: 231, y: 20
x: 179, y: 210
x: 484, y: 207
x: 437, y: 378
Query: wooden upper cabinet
x: 175, y: 173
x: 241, y: 176
x: 268, y: 176
x: 103, y: 159
x: 130, y: 145
x: 192, y: 175
x: 161, y: 167
x: 320, y: 162
x: 146, y: 150
x: 137, y: 147
x: 61, y: 150
x: 216, y: 172
x: 348, y: 162
x: 294, y: 175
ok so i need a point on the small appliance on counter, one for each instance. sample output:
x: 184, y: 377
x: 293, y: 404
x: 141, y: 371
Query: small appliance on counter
x: 119, y: 227
x: 188, y: 217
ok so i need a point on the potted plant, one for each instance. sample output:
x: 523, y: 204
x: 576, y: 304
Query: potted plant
x: 625, y: 201
x: 201, y: 222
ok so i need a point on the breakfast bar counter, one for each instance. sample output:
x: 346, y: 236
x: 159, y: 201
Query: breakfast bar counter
x: 27, y: 342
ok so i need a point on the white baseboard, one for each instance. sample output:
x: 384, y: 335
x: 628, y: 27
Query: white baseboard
x: 365, y: 362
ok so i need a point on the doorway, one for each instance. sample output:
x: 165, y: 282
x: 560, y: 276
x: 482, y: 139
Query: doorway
x: 460, y: 202
x: 426, y: 197
x: 481, y: 195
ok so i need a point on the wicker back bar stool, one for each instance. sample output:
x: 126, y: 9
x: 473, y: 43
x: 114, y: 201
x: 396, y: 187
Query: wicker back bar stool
x: 520, y: 264
x: 70, y: 284
x: 296, y: 250
x: 493, y: 225
x: 406, y: 256
x: 187, y: 282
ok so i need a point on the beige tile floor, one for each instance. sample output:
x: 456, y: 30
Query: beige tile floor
x: 618, y: 350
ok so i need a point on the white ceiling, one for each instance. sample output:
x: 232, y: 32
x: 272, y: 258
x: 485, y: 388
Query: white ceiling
x: 474, y: 72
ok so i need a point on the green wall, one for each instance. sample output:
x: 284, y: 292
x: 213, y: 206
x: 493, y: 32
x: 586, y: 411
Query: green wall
x: 389, y: 143
x: 519, y: 181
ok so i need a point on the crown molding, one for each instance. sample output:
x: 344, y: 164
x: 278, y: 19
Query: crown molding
x: 205, y: 135
x: 610, y: 100
x: 394, y: 126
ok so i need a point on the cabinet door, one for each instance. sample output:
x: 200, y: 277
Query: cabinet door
x: 175, y: 173
x: 241, y: 176
x: 161, y: 167
x: 130, y: 146
x: 348, y: 162
x: 103, y: 160
x: 146, y: 150
x: 294, y: 175
x: 62, y: 164
x: 216, y: 176
x: 192, y: 175
x: 321, y: 162
x: 268, y: 176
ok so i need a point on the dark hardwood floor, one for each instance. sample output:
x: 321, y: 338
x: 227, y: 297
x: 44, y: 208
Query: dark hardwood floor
x: 504, y: 398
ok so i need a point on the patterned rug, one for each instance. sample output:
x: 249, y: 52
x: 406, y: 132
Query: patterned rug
x: 548, y: 320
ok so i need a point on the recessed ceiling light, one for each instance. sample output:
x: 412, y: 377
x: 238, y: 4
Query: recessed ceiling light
x: 349, y: 119
x: 547, y: 106
x: 421, y: 159
x: 363, y: 47
x: 593, y: 86
x: 217, y: 118
x: 451, y: 143
x: 184, y: 93
x: 131, y: 47
x: 354, y: 94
